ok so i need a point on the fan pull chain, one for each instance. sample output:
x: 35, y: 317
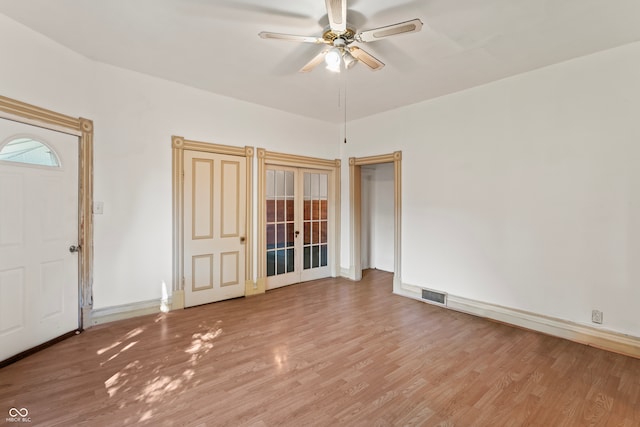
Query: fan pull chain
x: 345, y: 105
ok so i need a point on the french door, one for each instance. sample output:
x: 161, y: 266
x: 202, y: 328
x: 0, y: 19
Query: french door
x: 297, y: 225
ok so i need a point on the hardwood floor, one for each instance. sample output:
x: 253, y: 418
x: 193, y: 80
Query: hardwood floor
x: 329, y: 352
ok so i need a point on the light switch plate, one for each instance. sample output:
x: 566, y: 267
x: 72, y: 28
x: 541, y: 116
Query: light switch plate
x: 98, y: 208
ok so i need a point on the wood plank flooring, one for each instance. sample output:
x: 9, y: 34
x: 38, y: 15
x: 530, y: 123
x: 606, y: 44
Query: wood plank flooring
x: 324, y: 353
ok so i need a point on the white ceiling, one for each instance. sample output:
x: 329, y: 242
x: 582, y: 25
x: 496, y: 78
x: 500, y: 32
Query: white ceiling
x: 214, y: 44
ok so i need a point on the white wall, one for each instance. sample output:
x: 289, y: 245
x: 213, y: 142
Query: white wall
x: 377, y: 216
x: 38, y: 71
x: 525, y: 192
x: 134, y: 117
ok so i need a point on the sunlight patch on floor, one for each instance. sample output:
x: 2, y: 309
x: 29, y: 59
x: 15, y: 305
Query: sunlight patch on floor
x: 150, y: 380
x: 201, y: 343
x: 105, y: 349
x: 121, y: 378
x: 131, y: 334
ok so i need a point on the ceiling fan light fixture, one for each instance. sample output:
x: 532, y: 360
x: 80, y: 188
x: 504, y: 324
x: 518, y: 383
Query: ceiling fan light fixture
x: 349, y: 60
x: 334, y: 68
x: 332, y: 57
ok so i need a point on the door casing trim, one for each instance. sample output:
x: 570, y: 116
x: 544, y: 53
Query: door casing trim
x: 22, y: 112
x: 179, y: 144
x: 355, y: 212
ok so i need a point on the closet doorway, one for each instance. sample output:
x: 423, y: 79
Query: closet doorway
x: 377, y: 217
x: 356, y: 167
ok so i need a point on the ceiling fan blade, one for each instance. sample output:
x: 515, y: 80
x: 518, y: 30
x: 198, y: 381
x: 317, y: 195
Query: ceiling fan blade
x: 292, y: 38
x: 337, y: 14
x: 314, y: 62
x: 366, y: 58
x: 257, y: 8
x: 412, y: 26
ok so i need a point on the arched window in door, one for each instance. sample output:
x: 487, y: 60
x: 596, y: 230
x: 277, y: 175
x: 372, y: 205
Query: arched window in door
x: 25, y: 149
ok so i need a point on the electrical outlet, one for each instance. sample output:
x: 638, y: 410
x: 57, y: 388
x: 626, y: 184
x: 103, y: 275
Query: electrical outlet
x: 596, y: 316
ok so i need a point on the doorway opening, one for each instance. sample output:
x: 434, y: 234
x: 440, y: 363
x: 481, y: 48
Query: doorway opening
x: 377, y: 217
x: 376, y: 214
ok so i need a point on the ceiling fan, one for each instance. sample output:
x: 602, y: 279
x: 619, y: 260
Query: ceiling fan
x: 339, y: 37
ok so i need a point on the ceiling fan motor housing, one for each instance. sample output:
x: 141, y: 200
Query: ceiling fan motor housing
x: 348, y: 36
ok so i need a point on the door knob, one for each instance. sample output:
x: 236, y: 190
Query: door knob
x: 74, y: 248
x: 296, y: 233
x: 242, y: 239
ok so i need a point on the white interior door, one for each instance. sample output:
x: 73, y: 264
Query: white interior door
x: 297, y: 225
x: 38, y: 225
x: 214, y: 227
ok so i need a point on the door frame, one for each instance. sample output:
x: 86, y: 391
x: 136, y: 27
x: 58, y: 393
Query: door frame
x: 303, y: 162
x: 22, y: 112
x: 355, y: 212
x: 179, y: 144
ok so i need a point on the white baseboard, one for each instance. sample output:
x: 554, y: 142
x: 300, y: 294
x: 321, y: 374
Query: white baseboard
x: 347, y: 273
x: 583, y: 334
x: 127, y: 311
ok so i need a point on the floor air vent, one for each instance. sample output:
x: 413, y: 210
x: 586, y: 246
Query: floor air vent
x: 433, y: 296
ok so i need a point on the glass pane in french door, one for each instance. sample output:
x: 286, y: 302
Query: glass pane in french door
x: 315, y: 222
x: 280, y: 222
